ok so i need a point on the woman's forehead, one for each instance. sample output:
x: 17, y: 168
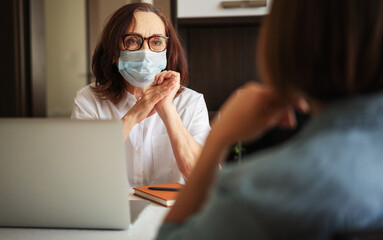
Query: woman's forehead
x: 147, y: 24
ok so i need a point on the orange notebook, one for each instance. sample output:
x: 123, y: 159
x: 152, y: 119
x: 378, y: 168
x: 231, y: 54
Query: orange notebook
x: 165, y: 198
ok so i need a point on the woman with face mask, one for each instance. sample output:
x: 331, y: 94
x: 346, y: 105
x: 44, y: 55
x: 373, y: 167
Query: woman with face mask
x: 141, y: 74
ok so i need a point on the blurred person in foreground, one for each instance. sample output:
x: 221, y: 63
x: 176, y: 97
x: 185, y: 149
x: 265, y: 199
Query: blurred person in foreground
x: 326, y: 179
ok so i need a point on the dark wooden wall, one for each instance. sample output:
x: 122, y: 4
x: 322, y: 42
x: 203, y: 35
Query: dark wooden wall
x: 22, y: 59
x: 221, y: 55
x: 13, y: 65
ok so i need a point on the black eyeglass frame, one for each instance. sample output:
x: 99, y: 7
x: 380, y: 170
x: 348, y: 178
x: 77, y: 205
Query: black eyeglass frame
x: 144, y: 39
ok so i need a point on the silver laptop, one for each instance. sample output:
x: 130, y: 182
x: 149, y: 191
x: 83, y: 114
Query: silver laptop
x: 63, y: 173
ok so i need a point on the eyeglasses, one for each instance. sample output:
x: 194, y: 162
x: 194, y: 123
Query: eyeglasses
x: 134, y: 42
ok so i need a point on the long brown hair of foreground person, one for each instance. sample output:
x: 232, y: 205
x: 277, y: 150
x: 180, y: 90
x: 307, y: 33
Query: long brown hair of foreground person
x: 109, y: 82
x: 326, y: 49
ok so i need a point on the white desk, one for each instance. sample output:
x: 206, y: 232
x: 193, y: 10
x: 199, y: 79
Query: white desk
x: 145, y: 227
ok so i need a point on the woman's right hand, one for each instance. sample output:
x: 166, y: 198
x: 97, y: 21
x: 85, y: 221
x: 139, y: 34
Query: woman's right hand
x: 145, y: 105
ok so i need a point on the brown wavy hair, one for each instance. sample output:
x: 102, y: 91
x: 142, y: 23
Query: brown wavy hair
x: 109, y: 82
x: 326, y: 49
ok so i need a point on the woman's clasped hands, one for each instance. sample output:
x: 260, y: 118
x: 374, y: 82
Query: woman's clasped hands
x: 162, y: 78
x: 156, y: 97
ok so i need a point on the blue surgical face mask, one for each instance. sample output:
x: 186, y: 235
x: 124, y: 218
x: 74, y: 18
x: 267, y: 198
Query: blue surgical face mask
x: 140, y: 67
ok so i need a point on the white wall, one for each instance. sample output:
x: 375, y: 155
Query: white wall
x: 212, y: 8
x: 65, y: 27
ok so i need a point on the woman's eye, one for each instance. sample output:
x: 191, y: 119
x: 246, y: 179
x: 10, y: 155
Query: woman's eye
x: 131, y: 41
x: 157, y: 41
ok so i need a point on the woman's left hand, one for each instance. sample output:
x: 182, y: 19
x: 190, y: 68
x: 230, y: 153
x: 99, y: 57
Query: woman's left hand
x: 251, y: 111
x: 160, y: 78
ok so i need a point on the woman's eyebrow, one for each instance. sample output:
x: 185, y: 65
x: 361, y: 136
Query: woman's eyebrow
x: 135, y: 33
x: 159, y: 34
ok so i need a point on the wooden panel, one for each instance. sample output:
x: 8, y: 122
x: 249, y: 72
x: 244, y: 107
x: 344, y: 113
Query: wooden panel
x: 249, y: 51
x: 221, y: 21
x: 221, y: 58
x: 7, y: 59
x: 13, y: 68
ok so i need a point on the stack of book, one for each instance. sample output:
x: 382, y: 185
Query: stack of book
x: 164, y: 194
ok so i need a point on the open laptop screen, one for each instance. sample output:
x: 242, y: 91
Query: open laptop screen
x: 63, y: 173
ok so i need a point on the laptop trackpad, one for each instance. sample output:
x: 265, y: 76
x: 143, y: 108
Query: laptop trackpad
x: 136, y: 207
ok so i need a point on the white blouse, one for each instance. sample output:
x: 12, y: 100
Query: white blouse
x: 149, y: 154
